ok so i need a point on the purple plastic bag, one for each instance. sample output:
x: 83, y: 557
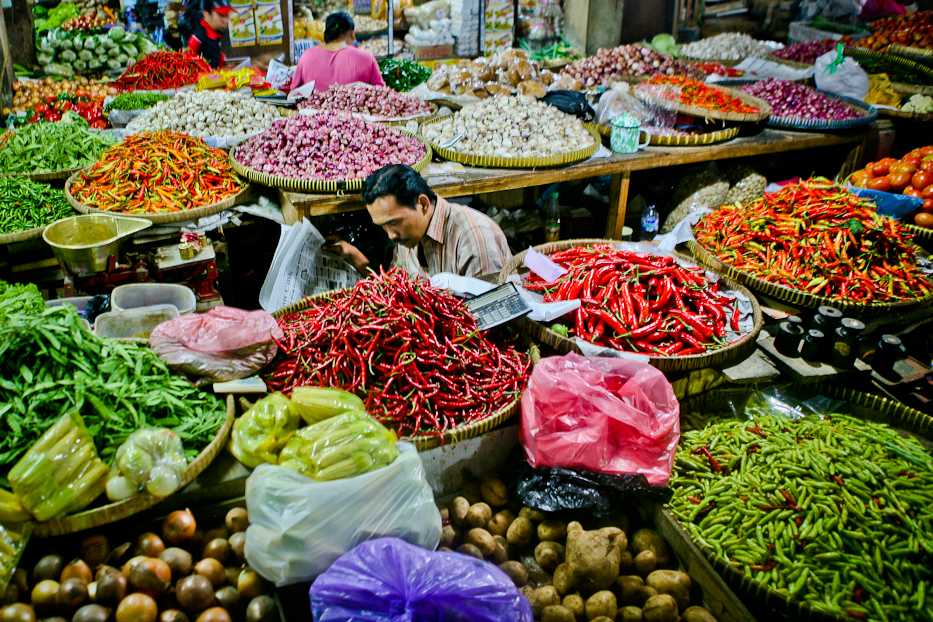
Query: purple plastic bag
x: 389, y: 580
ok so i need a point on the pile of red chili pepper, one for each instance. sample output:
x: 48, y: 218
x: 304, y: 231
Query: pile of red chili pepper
x: 696, y: 93
x: 162, y: 70
x: 91, y: 109
x: 157, y: 172
x: 411, y: 351
x: 816, y: 237
x: 641, y: 303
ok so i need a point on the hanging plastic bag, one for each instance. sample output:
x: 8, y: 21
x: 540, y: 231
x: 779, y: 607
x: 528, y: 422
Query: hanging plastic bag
x: 299, y: 527
x: 836, y: 73
x: 388, y: 580
x: 222, y: 344
x: 150, y: 458
x: 608, y: 415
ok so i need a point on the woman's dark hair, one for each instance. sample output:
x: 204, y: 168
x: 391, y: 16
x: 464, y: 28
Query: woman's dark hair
x: 336, y: 25
x: 397, y: 180
x: 193, y: 12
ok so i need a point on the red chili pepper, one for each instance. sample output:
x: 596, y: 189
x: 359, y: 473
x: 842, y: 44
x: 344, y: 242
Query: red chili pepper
x: 162, y: 70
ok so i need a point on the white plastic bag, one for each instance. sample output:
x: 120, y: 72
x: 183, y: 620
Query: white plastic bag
x: 299, y: 527
x: 840, y: 75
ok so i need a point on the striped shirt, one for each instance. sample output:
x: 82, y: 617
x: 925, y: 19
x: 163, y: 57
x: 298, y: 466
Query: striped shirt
x: 460, y: 240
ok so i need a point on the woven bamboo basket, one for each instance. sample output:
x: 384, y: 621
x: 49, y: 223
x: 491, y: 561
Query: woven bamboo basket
x: 488, y: 161
x: 921, y: 55
x: 721, y: 61
x: 922, y: 73
x: 49, y: 176
x: 921, y: 234
x: 312, y: 185
x: 422, y: 443
x: 112, y: 512
x: 22, y: 236
x: 867, y: 115
x: 799, y: 298
x: 684, y: 140
x: 916, y: 117
x: 764, y: 109
x: 159, y: 218
x: 735, y: 351
x: 768, y: 602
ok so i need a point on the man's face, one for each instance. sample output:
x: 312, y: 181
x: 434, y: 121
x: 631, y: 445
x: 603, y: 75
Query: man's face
x: 404, y: 225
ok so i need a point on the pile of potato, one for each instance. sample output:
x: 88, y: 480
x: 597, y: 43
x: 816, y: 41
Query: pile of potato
x: 568, y: 573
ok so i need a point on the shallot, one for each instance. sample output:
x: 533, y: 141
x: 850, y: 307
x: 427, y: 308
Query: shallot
x: 805, y: 51
x: 790, y: 99
x: 375, y: 101
x: 327, y: 146
x: 625, y: 60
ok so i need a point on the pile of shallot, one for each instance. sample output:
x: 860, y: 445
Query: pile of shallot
x: 327, y: 147
x: 728, y: 46
x: 790, y: 99
x: 375, y: 101
x: 805, y: 51
x: 625, y: 60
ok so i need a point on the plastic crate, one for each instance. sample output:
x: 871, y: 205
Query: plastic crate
x: 136, y: 295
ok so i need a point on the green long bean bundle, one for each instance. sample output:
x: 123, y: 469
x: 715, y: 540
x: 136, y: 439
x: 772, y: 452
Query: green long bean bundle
x: 25, y: 205
x: 51, y: 147
x: 832, y: 511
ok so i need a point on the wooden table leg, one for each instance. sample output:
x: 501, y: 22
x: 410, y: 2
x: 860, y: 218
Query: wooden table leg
x: 618, y: 200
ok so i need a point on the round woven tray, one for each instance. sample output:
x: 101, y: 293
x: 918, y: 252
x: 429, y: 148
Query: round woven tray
x: 916, y: 117
x: 686, y: 140
x: 922, y: 234
x: 420, y: 118
x: 313, y: 185
x: 22, y: 236
x: 922, y: 72
x: 872, y: 407
x: 764, y: 109
x: 867, y: 115
x: 721, y: 61
x: 160, y: 218
x: 488, y: 161
x: 796, y: 297
x: 422, y: 443
x: 112, y: 512
x: 735, y: 351
x: 790, y: 63
x: 50, y: 176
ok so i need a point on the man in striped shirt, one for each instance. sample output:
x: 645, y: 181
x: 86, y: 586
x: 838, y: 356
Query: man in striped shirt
x: 431, y: 234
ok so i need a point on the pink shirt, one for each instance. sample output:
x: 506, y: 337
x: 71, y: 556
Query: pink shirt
x: 344, y: 66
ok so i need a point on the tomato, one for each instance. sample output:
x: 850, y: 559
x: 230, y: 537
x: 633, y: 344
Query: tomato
x: 880, y: 183
x: 924, y: 219
x: 898, y: 181
x: 913, y: 159
x: 860, y: 178
x: 927, y: 205
x: 925, y: 151
x: 921, y: 179
x: 882, y: 166
x: 903, y: 167
x: 926, y: 164
x: 911, y: 191
x: 927, y: 193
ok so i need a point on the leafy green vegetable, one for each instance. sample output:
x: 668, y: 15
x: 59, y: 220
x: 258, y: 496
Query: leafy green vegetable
x: 665, y: 44
x: 134, y: 101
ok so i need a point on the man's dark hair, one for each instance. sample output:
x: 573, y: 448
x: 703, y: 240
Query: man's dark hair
x: 397, y: 180
x: 337, y: 25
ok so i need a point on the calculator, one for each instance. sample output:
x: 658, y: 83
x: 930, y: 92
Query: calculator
x: 498, y: 306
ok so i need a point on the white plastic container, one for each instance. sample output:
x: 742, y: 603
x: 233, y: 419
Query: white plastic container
x: 136, y: 295
x: 133, y: 324
x: 78, y: 302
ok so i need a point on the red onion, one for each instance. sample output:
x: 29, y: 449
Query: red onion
x: 790, y: 99
x: 806, y: 52
x: 376, y: 101
x: 626, y: 60
x: 327, y: 146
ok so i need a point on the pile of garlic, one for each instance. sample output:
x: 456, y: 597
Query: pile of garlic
x: 509, y: 126
x: 728, y: 46
x: 207, y: 113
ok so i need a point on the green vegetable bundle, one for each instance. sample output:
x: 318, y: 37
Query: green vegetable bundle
x: 832, y: 511
x: 134, y: 101
x: 50, y: 364
x: 25, y: 205
x: 403, y: 75
x: 51, y: 147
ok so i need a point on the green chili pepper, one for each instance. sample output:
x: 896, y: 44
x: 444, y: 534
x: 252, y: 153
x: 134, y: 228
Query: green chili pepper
x: 25, y: 204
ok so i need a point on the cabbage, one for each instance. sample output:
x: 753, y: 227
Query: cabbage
x: 665, y: 44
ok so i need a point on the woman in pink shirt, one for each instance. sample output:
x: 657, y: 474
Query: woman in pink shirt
x: 337, y: 61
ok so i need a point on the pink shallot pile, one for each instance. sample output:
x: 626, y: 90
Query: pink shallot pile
x: 375, y: 101
x: 790, y: 99
x: 626, y: 60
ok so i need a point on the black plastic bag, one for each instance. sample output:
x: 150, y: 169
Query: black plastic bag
x: 571, y: 102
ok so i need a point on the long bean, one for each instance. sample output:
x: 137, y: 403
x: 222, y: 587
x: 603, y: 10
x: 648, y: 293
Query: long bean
x: 833, y: 511
x: 49, y: 147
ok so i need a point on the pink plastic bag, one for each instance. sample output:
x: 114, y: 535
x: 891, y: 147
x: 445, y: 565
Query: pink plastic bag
x: 222, y: 344
x: 609, y: 415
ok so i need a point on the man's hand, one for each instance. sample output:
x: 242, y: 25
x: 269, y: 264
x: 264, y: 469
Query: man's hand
x: 349, y: 253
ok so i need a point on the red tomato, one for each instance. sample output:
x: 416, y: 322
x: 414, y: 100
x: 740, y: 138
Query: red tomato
x: 903, y: 167
x: 898, y: 181
x: 927, y: 205
x: 924, y: 219
x: 911, y: 191
x: 927, y: 193
x: 928, y: 150
x: 880, y: 183
x: 860, y: 178
x: 926, y: 164
x: 882, y: 166
x: 912, y: 158
x: 921, y: 179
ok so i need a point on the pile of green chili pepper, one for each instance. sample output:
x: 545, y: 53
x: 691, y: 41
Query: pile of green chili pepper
x: 50, y: 147
x: 403, y: 75
x: 25, y: 204
x: 50, y: 364
x: 830, y: 511
x: 816, y: 237
x: 135, y: 101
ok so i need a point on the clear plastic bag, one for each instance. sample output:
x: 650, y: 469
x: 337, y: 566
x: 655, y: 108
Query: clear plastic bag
x: 608, y: 415
x: 841, y: 75
x: 222, y: 344
x: 388, y: 580
x: 260, y: 434
x: 152, y: 459
x: 299, y: 527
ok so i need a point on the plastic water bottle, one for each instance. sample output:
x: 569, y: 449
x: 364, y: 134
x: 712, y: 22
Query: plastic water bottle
x: 649, y: 223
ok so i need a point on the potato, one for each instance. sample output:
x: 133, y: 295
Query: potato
x: 449, y: 535
x: 471, y: 550
x: 500, y: 555
x: 574, y: 602
x: 499, y: 525
x: 520, y: 532
x: 563, y: 579
x: 557, y: 613
x: 532, y: 515
x: 628, y: 587
x: 494, y: 492
x: 445, y: 514
x: 549, y: 555
x: 536, y: 574
x: 458, y: 510
x: 645, y: 563
x: 481, y: 539
x: 602, y: 619
x: 627, y: 563
x: 660, y: 608
x: 444, y: 549
x: 516, y: 571
x: 629, y: 614
x: 649, y: 540
x: 478, y: 515
x: 602, y: 603
x: 697, y: 614
x: 673, y: 582
x: 554, y: 530
x: 543, y: 597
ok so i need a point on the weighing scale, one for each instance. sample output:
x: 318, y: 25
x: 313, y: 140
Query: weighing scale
x: 497, y: 306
